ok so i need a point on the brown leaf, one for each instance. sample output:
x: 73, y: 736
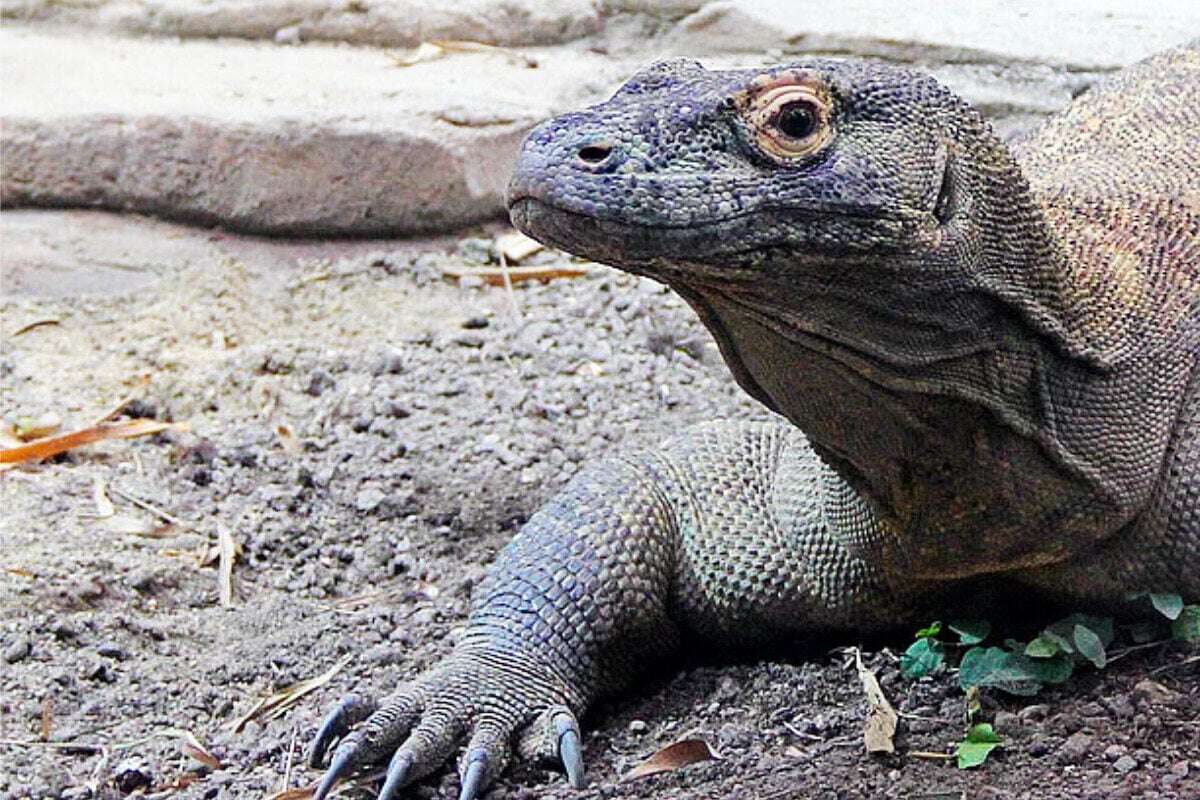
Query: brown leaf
x: 298, y: 793
x: 287, y: 439
x: 672, y: 757
x: 53, y: 445
x: 192, y: 748
x: 47, y: 718
x: 26, y: 429
x: 494, y: 276
x: 880, y: 727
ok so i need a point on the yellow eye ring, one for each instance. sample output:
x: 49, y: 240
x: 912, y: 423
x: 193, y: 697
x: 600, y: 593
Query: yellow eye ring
x: 789, y: 121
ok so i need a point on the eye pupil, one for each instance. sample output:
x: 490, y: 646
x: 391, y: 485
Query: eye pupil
x: 796, y: 120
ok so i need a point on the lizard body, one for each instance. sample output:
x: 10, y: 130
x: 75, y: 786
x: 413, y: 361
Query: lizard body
x: 984, y: 358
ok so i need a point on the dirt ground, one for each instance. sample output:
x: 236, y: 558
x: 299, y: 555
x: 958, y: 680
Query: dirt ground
x: 371, y: 434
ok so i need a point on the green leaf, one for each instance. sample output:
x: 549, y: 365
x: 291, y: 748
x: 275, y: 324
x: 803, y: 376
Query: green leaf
x: 1011, y: 672
x: 1169, y: 605
x: 921, y: 658
x: 973, y: 750
x: 1042, y: 647
x: 1050, y: 670
x: 1065, y: 630
x: 971, y: 631
x: 1088, y: 643
x: 933, y: 629
x: 1187, y: 625
x: 997, y: 668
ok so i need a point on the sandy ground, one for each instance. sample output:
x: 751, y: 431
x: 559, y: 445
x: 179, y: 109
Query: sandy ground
x: 370, y: 434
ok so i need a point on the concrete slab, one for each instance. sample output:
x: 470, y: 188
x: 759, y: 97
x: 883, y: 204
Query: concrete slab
x: 392, y: 23
x: 319, y: 140
x: 1082, y: 34
x: 333, y: 139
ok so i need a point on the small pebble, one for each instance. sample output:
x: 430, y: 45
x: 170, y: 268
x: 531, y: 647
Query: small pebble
x: 1006, y: 722
x: 368, y: 499
x: 1125, y: 764
x: 18, y: 651
x: 1033, y: 713
x: 1076, y: 748
x: 638, y: 726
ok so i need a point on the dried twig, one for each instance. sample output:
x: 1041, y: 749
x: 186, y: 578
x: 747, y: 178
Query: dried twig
x: 53, y: 445
x: 37, y: 323
x: 228, y: 552
x: 275, y: 704
x: 153, y: 509
x: 495, y: 276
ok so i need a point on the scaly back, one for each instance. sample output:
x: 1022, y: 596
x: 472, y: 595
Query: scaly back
x: 1118, y: 176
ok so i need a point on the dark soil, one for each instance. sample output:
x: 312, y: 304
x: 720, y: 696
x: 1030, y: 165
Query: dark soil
x: 371, y: 435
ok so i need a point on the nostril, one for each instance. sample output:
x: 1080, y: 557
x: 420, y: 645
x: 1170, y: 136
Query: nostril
x: 595, y: 153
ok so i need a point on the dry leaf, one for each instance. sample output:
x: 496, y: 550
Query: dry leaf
x: 424, y: 52
x: 53, y: 445
x: 494, y: 276
x: 672, y: 757
x: 20, y: 572
x: 192, y: 748
x: 47, y: 718
x: 516, y: 246
x: 104, y: 506
x: 274, y: 705
x: 228, y: 554
x: 139, y: 385
x: 299, y: 793
x: 880, y: 727
x: 287, y: 438
x: 27, y: 429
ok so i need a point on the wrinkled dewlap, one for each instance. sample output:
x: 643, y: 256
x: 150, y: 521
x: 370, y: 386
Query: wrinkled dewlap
x: 985, y: 372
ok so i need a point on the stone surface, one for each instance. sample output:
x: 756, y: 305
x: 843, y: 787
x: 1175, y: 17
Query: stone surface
x: 316, y: 140
x: 1092, y: 34
x: 394, y: 23
x: 291, y: 136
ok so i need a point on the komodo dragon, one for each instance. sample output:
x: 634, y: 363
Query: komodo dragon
x: 986, y: 358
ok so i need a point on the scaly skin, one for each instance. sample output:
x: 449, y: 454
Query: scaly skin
x: 992, y: 356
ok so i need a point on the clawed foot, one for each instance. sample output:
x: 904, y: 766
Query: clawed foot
x: 492, y: 706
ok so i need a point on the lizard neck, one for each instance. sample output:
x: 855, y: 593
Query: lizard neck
x: 956, y: 389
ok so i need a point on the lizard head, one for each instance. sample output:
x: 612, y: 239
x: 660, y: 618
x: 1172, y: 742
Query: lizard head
x: 690, y: 175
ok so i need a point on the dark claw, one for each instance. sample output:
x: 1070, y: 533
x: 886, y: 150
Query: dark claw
x: 571, y: 753
x: 343, y: 758
x: 473, y: 778
x: 350, y: 710
x: 397, y: 775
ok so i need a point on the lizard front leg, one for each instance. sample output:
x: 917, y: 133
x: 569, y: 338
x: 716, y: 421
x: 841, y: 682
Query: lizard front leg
x: 727, y: 532
x: 573, y: 607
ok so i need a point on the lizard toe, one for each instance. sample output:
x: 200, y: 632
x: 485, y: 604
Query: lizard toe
x: 350, y: 710
x: 384, y: 728
x: 486, y: 756
x: 554, y: 737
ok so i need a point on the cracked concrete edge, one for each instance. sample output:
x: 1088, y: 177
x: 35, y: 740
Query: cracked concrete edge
x: 276, y: 179
x: 382, y: 23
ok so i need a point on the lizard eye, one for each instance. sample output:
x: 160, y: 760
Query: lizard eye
x: 789, y: 121
x: 797, y: 119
